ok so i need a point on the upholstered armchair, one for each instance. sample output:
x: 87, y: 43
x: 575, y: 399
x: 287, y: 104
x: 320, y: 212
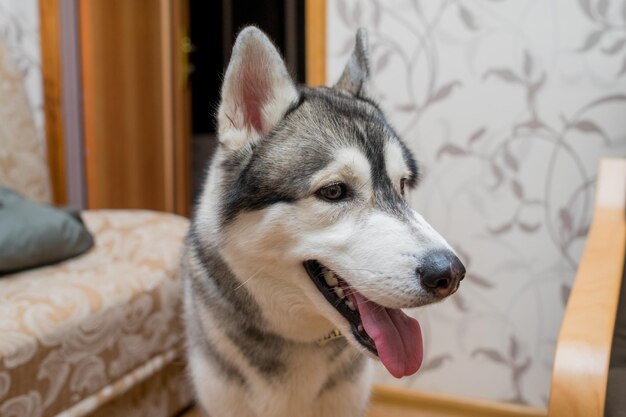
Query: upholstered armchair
x: 99, y: 334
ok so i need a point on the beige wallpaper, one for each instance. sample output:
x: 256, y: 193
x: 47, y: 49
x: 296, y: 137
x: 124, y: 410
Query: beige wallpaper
x: 508, y: 106
x: 19, y: 32
x: 22, y: 149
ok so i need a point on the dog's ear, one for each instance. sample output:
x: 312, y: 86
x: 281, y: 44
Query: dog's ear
x: 355, y: 76
x: 256, y: 92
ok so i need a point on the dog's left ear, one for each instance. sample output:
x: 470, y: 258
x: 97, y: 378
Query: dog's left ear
x: 355, y: 76
x: 257, y: 90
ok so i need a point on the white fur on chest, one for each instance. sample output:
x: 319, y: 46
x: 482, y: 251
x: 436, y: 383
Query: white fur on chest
x: 297, y: 392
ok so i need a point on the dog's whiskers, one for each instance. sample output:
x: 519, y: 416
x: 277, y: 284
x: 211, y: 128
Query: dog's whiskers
x: 248, y: 280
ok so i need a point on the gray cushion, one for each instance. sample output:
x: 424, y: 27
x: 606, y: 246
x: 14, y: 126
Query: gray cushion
x: 33, y: 234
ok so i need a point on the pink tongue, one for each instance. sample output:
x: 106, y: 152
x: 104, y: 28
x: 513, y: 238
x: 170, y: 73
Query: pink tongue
x: 398, y: 337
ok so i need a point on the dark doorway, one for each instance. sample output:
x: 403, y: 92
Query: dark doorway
x: 213, y: 28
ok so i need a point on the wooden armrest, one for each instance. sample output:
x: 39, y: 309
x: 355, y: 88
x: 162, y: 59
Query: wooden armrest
x: 389, y: 401
x: 584, y: 347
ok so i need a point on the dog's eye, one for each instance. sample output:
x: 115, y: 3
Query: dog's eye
x: 333, y: 192
x: 402, y: 185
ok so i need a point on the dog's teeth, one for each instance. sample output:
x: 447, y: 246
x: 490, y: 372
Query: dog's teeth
x: 360, y: 328
x: 330, y: 278
x: 339, y: 292
x: 350, y: 305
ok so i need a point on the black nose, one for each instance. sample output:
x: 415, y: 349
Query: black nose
x: 441, y: 272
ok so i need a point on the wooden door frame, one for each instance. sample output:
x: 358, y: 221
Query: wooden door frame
x: 52, y: 74
x: 65, y: 121
x: 315, y: 42
x: 176, y: 105
x: 168, y: 40
x: 63, y: 117
x: 181, y: 107
x: 50, y: 29
x: 174, y: 139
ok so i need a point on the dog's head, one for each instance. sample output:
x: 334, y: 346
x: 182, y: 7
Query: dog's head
x: 311, y: 183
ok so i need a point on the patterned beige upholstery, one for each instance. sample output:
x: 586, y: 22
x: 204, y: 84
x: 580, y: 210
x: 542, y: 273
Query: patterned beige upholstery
x: 98, y: 335
x: 22, y: 156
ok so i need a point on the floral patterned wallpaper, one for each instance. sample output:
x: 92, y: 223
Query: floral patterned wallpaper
x: 19, y: 32
x: 508, y: 106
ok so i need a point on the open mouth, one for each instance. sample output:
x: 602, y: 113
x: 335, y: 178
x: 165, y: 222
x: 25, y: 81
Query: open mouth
x: 385, y: 332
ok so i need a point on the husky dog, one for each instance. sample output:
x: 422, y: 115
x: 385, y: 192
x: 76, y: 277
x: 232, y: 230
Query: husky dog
x: 303, y: 249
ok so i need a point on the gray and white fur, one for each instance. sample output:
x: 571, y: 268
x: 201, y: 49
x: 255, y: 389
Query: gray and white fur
x: 252, y: 313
